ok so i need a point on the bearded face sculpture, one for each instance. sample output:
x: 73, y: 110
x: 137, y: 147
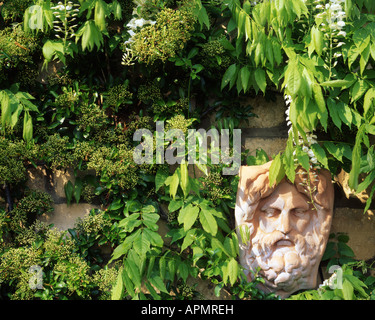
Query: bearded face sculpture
x: 287, y: 225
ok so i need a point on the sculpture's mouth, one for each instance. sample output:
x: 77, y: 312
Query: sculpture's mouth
x: 284, y: 243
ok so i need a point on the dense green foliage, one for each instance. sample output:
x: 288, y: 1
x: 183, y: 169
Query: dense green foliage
x: 78, y: 78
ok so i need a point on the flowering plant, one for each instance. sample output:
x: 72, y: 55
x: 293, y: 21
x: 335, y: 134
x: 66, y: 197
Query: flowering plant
x: 319, y: 54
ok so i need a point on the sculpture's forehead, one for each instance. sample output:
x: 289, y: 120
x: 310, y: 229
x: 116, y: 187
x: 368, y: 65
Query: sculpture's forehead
x: 286, y: 194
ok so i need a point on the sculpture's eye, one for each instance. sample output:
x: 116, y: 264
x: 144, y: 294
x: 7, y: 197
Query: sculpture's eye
x: 299, y: 212
x: 270, y: 212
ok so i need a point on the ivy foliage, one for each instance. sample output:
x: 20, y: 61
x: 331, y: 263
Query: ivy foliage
x: 320, y: 55
x: 79, y: 77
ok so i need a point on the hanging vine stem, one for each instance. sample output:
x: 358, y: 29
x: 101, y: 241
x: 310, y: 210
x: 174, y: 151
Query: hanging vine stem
x: 8, y: 197
x: 306, y: 184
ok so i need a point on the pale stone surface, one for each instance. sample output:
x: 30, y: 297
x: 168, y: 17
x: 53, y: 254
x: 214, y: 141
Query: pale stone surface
x: 36, y: 178
x: 270, y: 113
x: 360, y: 228
x: 286, y: 234
x: 60, y: 178
x: 271, y: 146
x: 64, y: 217
x: 343, y: 180
x: 54, y: 185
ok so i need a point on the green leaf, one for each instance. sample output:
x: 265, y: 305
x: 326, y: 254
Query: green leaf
x: 161, y: 176
x: 344, y: 250
x: 152, y: 291
x: 142, y: 243
x: 201, y: 13
x: 50, y: 48
x: 293, y: 78
x: 99, y: 14
x: 288, y: 159
x: 318, y: 40
x: 230, y: 246
x: 115, y: 205
x: 365, y: 183
x: 320, y: 154
x: 173, y: 183
x: 368, y: 101
x: 175, y: 205
x: 27, y: 127
x: 188, y: 216
x: 6, y: 110
x: 132, y: 271
x: 347, y: 290
x: 369, y: 200
x: 277, y: 171
x: 260, y: 78
x: 330, y: 251
x: 90, y: 36
x: 232, y: 271
x: 69, y: 189
x: 247, y: 28
x: 303, y: 158
x: 183, y: 270
x: 334, y: 113
x: 158, y: 283
x: 358, y: 90
x: 153, y: 237
x: 356, y: 159
x: 171, y: 269
x: 78, y: 187
x: 208, y: 222
x: 119, y: 251
x: 184, y: 182
x: 245, y: 77
x: 319, y: 99
x: 128, y: 284
x: 117, y: 10
x: 229, y: 75
x: 357, y: 284
x: 343, y: 84
x: 241, y: 23
x: 128, y: 224
x: 216, y: 243
x: 118, y: 288
x: 189, y: 239
x: 336, y: 151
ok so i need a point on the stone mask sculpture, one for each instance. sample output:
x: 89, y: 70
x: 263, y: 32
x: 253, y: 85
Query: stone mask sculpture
x: 287, y: 225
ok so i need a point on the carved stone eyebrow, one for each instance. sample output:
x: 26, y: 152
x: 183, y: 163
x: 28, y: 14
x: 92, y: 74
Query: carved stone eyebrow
x: 274, y: 203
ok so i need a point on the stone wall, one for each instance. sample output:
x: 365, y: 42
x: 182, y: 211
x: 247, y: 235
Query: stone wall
x: 267, y: 131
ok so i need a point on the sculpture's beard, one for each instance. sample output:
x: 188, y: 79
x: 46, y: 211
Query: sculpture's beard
x: 286, y: 261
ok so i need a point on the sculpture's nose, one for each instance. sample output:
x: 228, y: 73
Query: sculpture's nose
x: 284, y: 223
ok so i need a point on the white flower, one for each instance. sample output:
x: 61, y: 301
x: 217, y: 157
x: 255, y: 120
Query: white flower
x: 341, y: 24
x: 314, y: 160
x: 139, y: 22
x: 311, y: 153
x: 342, y: 33
x: 336, y: 7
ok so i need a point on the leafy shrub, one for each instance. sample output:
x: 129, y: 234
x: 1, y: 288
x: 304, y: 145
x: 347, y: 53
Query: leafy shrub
x: 163, y: 39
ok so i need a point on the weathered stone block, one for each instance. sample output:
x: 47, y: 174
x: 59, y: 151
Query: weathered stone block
x: 271, y: 146
x: 64, y: 217
x: 360, y: 229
